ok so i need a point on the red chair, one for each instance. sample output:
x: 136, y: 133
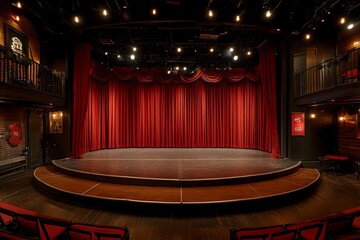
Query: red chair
x: 52, y: 228
x: 284, y: 235
x: 254, y: 233
x: 83, y: 231
x: 11, y: 236
x: 7, y: 211
x: 356, y: 213
x: 309, y: 230
x: 339, y: 225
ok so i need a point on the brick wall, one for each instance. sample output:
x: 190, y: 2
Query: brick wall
x: 9, y: 115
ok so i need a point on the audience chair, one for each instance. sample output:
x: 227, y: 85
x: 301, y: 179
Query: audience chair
x: 236, y: 234
x: 52, y: 228
x: 7, y: 212
x: 12, y: 236
x: 356, y: 213
x: 309, y: 230
x: 284, y: 235
x: 98, y: 230
x: 339, y: 225
x: 78, y: 234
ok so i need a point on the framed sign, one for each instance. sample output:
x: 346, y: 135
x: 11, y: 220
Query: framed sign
x: 297, y: 124
x: 16, y: 41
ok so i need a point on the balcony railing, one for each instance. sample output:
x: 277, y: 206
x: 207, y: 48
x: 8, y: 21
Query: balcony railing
x: 19, y: 71
x: 343, y: 69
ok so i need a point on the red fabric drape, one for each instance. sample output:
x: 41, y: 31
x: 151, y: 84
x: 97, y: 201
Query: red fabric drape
x: 82, y: 63
x: 268, y: 83
x: 125, y: 107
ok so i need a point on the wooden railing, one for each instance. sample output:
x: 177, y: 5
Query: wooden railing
x: 343, y: 69
x: 19, y: 71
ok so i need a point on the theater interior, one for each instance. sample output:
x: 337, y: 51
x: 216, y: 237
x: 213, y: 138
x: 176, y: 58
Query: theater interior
x: 179, y: 119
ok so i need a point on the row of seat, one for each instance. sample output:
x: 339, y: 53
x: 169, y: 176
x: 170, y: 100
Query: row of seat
x: 19, y: 223
x: 344, y: 225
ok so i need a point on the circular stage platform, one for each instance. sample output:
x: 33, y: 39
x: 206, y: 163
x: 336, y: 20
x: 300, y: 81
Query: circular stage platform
x: 177, y: 175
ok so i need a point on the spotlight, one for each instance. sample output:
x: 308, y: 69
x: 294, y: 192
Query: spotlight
x: 105, y: 12
x: 168, y: 72
x: 178, y: 49
x: 154, y: 12
x: 118, y: 56
x: 184, y: 68
x: 211, y: 13
x: 76, y: 19
x: 17, y: 18
x: 268, y: 13
x: 134, y: 49
x: 211, y: 49
x: 235, y: 57
x: 132, y: 57
x: 248, y: 53
x: 312, y: 115
x: 342, y: 20
x: 237, y: 18
x: 231, y: 49
x: 307, y: 36
x: 350, y: 26
x: 106, y: 53
x: 176, y: 68
x: 18, y: 5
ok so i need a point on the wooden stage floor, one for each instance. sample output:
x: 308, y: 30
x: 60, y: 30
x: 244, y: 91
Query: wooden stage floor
x: 177, y: 175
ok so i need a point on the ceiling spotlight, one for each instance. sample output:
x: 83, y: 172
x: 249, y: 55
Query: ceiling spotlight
x: 132, y: 57
x: 134, y: 49
x: 118, y: 56
x: 237, y: 18
x: 184, y: 68
x: 278, y: 30
x: 211, y: 49
x: 105, y: 12
x: 176, y: 68
x: 106, y: 53
x: 268, y: 13
x: 231, y: 49
x: 17, y: 18
x: 76, y: 19
x: 211, y: 13
x: 235, y: 57
x: 178, y: 49
x: 342, y: 20
x: 307, y: 36
x: 322, y: 20
x: 248, y: 53
x: 154, y: 12
x: 350, y: 26
x: 168, y: 71
x: 18, y: 5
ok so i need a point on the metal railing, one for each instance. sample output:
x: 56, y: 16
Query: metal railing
x: 19, y: 71
x: 337, y: 71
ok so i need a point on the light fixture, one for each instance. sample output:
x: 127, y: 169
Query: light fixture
x: 356, y: 44
x: 342, y: 20
x: 322, y: 20
x: 248, y: 53
x: 106, y: 53
x: 17, y: 18
x: 312, y: 115
x: 105, y: 12
x: 61, y: 114
x: 153, y: 11
x: 237, y: 18
x: 76, y: 19
x: 307, y: 36
x: 211, y: 49
x: 168, y: 71
x: 132, y: 57
x: 235, y: 57
x: 268, y: 13
x: 350, y: 26
x: 18, y: 5
x: 54, y: 115
x: 184, y: 68
x: 210, y: 13
x: 179, y: 49
x: 134, y: 49
x: 176, y: 68
x: 118, y: 56
x: 231, y: 49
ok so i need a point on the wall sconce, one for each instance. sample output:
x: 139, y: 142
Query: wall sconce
x: 356, y: 44
x: 342, y: 119
x: 312, y: 115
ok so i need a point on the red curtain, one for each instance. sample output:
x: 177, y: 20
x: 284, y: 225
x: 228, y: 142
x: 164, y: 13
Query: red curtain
x: 82, y: 63
x: 149, y: 108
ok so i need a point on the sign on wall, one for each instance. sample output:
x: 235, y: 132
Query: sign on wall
x: 297, y: 124
x: 16, y: 41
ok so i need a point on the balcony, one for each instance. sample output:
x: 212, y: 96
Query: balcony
x: 22, y: 79
x: 334, y: 79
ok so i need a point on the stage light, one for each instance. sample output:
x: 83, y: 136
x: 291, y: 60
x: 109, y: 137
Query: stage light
x: 211, y: 49
x: 134, y: 49
x: 237, y: 18
x: 176, y: 68
x: 248, y: 53
x: 268, y: 13
x: 18, y: 5
x: 168, y: 72
x: 307, y: 36
x: 76, y: 19
x: 342, y: 20
x: 231, y: 49
x: 312, y: 115
x: 132, y: 57
x: 119, y: 56
x: 178, y: 49
x: 350, y: 26
x: 105, y: 12
x: 236, y: 57
x: 210, y: 13
x: 184, y: 68
x: 154, y: 12
x: 106, y: 53
x: 17, y: 18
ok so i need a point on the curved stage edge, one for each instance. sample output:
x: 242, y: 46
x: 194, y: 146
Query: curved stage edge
x: 241, y: 176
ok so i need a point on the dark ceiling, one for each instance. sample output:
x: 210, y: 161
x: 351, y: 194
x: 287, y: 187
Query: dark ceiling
x: 185, y: 24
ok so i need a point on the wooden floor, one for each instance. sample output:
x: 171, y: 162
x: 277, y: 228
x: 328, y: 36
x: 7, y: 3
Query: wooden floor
x: 172, y: 222
x: 177, y: 176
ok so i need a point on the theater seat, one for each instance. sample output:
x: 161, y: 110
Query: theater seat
x: 7, y: 212
x: 309, y: 230
x: 284, y: 235
x: 254, y: 233
x: 96, y: 230
x: 356, y: 212
x: 11, y: 236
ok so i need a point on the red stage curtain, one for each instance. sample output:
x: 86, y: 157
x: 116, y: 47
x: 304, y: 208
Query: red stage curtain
x: 82, y: 63
x: 125, y: 107
x: 268, y: 83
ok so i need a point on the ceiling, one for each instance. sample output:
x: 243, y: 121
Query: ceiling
x: 184, y: 24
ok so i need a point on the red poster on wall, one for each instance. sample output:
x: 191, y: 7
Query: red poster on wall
x: 297, y: 124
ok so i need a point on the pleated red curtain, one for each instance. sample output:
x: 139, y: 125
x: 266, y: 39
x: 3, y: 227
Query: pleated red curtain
x: 148, y: 108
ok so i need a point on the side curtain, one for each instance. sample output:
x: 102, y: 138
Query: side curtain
x: 81, y: 87
x: 268, y: 86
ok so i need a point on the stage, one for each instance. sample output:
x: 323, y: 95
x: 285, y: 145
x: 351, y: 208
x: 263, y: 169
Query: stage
x: 177, y: 175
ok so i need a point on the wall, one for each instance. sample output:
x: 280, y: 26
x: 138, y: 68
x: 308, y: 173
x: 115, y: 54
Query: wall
x: 346, y: 40
x: 348, y: 141
x: 7, y: 15
x: 9, y: 115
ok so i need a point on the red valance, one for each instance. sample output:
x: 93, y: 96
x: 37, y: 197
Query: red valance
x: 101, y: 73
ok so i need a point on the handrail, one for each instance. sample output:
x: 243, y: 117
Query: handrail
x: 340, y: 70
x: 19, y: 71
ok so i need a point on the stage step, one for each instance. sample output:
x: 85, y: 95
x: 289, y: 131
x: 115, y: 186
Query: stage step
x: 300, y: 180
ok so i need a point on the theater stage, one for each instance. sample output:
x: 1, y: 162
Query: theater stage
x: 177, y: 175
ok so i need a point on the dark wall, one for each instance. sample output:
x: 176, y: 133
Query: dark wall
x: 348, y: 140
